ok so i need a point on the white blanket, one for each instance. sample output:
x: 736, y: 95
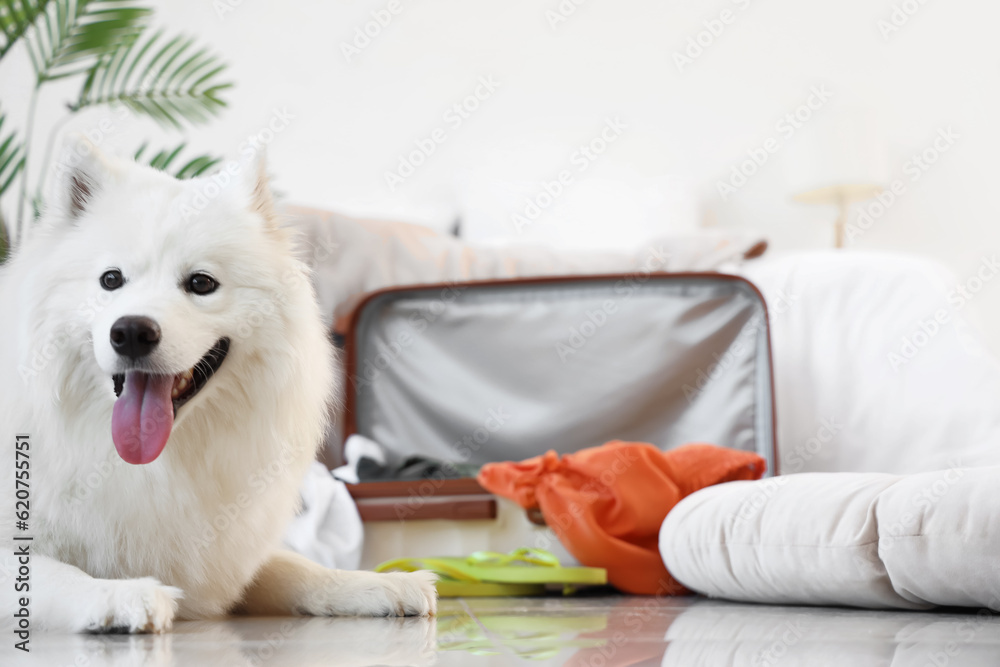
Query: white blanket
x: 878, y: 365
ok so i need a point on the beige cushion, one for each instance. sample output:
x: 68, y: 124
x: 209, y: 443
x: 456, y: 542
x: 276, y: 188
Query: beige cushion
x: 352, y: 257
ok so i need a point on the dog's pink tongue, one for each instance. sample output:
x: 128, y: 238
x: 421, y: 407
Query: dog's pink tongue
x: 142, y: 417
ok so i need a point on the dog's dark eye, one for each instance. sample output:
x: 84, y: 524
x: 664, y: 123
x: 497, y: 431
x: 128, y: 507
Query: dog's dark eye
x: 201, y: 283
x: 112, y: 280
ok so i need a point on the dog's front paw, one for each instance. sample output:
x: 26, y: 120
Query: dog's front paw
x: 130, y: 606
x: 371, y: 594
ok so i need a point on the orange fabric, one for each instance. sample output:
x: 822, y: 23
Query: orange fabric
x: 606, y: 504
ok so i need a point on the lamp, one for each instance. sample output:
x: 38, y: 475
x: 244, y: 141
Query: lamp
x: 839, y: 158
x: 842, y: 196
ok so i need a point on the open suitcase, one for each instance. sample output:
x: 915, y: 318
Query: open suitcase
x: 504, y: 370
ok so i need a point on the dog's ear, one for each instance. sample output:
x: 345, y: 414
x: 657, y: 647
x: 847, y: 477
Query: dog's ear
x: 82, y: 171
x: 261, y: 199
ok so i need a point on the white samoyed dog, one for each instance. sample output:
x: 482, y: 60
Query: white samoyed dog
x: 166, y: 381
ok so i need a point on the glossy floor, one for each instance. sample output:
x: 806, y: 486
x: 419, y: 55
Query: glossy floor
x: 584, y: 631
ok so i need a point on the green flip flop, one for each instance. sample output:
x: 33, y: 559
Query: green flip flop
x: 522, y: 572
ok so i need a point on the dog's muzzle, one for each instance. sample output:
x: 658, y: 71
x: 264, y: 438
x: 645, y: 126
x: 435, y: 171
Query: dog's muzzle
x: 143, y: 414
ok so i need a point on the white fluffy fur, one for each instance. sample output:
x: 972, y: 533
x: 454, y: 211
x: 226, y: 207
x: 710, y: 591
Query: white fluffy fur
x: 195, y: 533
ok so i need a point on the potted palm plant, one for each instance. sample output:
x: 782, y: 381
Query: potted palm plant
x: 109, y: 47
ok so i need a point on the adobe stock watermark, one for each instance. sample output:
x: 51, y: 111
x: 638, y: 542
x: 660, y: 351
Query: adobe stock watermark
x: 417, y: 323
x: 779, y: 302
x: 364, y: 34
x: 765, y: 489
x: 223, y: 7
x: 581, y: 159
x: 77, y: 332
x: 590, y: 492
x: 596, y: 317
x: 465, y: 446
x: 900, y: 15
x: 268, y: 645
x: 927, y: 329
x: 913, y: 169
x: 562, y: 12
x: 75, y: 152
x: 965, y: 633
x: 804, y: 452
x: 321, y: 249
x: 47, y: 351
x: 775, y: 652
x: 84, y: 486
x: 258, y: 312
x: 703, y: 40
x: 923, y: 501
x: 454, y: 117
x: 786, y: 127
x: 469, y: 444
x: 96, y: 134
x: 259, y: 481
x: 212, y: 186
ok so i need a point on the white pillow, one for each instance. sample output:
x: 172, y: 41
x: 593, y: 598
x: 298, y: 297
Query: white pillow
x: 858, y: 539
x: 801, y: 539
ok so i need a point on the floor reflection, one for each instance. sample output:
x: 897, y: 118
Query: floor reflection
x: 248, y: 642
x: 633, y: 631
x: 717, y: 633
x: 597, y: 631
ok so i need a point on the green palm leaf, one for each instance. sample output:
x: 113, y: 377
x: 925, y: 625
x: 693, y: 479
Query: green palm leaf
x: 11, y: 157
x: 197, y: 167
x: 11, y: 163
x: 168, y: 80
x: 71, y: 35
x: 191, y: 169
x: 16, y: 16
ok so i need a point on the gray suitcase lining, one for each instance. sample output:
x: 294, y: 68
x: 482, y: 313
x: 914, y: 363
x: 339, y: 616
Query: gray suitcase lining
x: 480, y: 372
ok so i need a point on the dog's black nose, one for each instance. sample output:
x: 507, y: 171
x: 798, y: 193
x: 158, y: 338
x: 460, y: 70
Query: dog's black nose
x: 134, y: 337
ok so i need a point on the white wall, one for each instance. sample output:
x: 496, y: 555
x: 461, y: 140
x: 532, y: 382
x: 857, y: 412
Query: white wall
x: 685, y: 129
